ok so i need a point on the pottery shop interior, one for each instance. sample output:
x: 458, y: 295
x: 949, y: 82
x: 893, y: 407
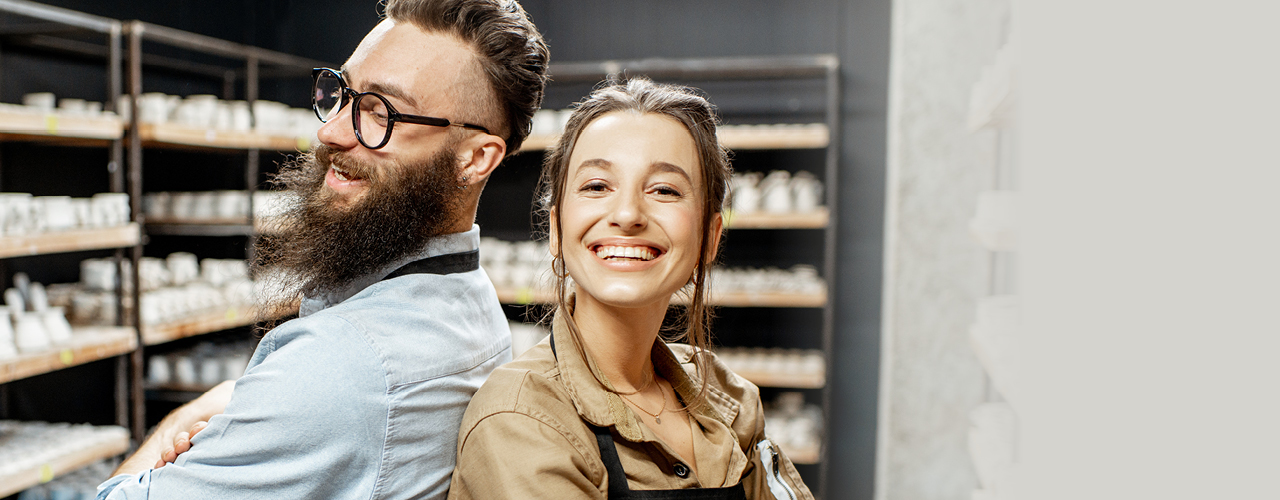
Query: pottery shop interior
x: 987, y: 250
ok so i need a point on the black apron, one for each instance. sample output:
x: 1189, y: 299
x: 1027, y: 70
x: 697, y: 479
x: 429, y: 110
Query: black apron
x: 619, y: 489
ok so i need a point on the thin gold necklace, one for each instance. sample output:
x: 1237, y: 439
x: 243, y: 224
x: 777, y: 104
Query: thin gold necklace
x: 637, y: 391
x: 655, y: 416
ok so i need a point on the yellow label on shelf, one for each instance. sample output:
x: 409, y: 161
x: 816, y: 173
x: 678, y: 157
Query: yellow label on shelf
x: 51, y: 124
x: 232, y: 314
x: 66, y: 357
x: 524, y: 295
x: 46, y: 473
x: 304, y: 143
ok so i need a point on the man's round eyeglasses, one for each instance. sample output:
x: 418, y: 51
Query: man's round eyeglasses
x: 375, y: 117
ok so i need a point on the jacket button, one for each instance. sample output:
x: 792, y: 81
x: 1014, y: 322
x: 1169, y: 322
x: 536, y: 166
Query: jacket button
x: 681, y: 470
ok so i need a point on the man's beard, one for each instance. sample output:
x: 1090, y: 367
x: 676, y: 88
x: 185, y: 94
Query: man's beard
x: 319, y: 246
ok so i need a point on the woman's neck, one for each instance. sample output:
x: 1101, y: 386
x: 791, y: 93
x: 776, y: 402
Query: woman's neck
x: 619, y: 339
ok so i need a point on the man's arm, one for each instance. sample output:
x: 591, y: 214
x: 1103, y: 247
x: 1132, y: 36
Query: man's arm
x: 307, y: 420
x: 180, y: 420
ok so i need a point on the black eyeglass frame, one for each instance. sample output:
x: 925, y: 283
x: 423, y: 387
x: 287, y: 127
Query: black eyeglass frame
x: 393, y: 116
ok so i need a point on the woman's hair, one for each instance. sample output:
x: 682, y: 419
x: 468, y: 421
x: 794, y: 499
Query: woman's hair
x: 687, y: 106
x: 512, y: 53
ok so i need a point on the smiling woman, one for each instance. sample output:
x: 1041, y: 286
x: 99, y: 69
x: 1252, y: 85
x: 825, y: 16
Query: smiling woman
x: 606, y: 407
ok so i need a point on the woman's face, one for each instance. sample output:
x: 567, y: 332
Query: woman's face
x: 631, y: 212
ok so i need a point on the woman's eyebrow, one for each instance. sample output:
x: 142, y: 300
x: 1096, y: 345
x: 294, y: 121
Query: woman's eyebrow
x: 662, y: 166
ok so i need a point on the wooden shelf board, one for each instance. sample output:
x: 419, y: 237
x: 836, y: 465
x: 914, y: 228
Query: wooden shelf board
x: 177, y: 135
x: 23, y: 479
x: 90, y: 343
x: 526, y: 296
x: 764, y: 220
x: 806, y: 136
x: 69, y: 241
x: 201, y: 324
x: 784, y: 380
x: 22, y: 124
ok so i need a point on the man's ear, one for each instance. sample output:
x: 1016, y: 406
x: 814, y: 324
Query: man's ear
x: 479, y: 155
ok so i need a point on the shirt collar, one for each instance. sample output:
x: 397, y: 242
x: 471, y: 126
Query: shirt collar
x: 594, y: 397
x: 437, y: 245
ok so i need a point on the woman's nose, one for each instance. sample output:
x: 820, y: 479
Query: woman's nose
x: 628, y: 212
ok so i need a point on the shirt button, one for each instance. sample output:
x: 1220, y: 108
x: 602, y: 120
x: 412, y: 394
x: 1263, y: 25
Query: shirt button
x: 681, y: 470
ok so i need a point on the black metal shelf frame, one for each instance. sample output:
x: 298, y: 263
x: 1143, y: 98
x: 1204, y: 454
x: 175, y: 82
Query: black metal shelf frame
x: 60, y: 20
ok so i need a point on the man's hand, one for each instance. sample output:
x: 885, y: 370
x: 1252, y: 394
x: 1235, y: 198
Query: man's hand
x: 181, y: 443
x: 181, y: 421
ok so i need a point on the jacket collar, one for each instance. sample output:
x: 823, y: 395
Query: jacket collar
x: 437, y: 245
x: 594, y: 397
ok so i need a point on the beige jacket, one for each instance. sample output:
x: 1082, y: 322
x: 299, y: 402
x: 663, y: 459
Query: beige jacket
x: 525, y: 434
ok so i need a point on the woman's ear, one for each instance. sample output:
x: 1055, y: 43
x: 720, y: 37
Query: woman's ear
x: 717, y: 229
x: 480, y: 155
x: 553, y: 233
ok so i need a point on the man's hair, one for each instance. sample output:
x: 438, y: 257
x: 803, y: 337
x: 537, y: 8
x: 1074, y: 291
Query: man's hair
x: 512, y: 52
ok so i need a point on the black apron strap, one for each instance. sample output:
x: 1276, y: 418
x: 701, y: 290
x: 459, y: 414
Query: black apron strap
x: 618, y: 487
x: 441, y: 264
x: 620, y: 490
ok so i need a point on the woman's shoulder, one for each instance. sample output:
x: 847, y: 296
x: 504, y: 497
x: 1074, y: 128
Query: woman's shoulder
x: 734, y: 397
x: 528, y: 385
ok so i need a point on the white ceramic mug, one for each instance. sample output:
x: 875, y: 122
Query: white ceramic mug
x: 7, y: 347
x: 40, y: 100
x: 158, y: 370
x: 775, y: 192
x: 746, y: 192
x: 806, y: 192
x: 29, y: 333
x: 56, y: 325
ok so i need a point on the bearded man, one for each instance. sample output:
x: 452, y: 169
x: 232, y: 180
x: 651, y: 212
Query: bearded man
x: 362, y: 395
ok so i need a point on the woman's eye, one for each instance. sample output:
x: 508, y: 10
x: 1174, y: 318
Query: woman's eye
x: 594, y: 186
x: 667, y: 191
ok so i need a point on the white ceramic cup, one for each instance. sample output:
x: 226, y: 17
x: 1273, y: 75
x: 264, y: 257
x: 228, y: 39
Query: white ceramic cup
x: 806, y: 192
x: 72, y: 106
x: 29, y: 333
x: 56, y: 325
x: 159, y: 372
x: 39, y: 100
x: 56, y: 212
x: 775, y: 192
x: 157, y: 205
x: 7, y: 347
x: 184, y: 370
x: 211, y: 371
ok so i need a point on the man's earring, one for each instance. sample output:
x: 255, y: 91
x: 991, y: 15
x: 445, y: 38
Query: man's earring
x: 463, y: 185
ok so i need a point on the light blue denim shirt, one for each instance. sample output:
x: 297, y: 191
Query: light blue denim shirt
x: 359, y: 398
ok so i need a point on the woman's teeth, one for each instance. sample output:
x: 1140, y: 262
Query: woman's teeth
x: 616, y: 252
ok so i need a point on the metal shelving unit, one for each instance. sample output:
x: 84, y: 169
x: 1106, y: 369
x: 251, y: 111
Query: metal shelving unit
x: 65, y: 31
x: 62, y: 31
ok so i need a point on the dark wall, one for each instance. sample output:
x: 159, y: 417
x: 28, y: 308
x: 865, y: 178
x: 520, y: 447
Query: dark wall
x: 856, y: 30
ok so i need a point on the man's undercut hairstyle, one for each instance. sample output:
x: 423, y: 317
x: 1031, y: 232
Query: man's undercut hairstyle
x: 512, y: 52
